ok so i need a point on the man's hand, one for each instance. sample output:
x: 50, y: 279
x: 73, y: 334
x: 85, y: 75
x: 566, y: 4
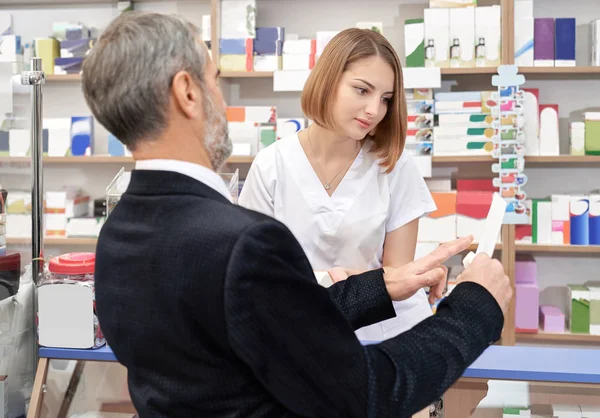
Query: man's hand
x: 403, y: 282
x: 489, y: 273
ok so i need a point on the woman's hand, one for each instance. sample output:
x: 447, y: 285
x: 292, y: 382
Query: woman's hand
x: 403, y: 282
x: 338, y: 274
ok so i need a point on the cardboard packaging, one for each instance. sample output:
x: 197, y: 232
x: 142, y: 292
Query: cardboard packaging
x: 437, y: 44
x: 488, y: 36
x: 414, y: 42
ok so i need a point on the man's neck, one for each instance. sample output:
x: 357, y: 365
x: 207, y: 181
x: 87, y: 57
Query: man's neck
x: 167, y: 150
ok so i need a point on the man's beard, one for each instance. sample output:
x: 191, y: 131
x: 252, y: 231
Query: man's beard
x: 216, y: 136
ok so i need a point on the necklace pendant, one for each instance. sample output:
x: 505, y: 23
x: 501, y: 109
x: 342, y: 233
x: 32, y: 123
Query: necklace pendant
x: 327, y: 186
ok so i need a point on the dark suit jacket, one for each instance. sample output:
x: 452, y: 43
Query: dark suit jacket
x: 215, y: 312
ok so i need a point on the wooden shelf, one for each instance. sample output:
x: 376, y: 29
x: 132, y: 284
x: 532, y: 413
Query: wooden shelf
x: 469, y: 71
x: 101, y: 160
x: 462, y: 159
x: 567, y: 338
x: 56, y: 241
x: 247, y: 74
x: 576, y: 249
x: 550, y: 160
x: 562, y: 159
x: 66, y: 77
x: 559, y: 70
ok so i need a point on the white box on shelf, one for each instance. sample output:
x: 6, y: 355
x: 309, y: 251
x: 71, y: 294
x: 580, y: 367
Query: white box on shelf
x: 577, y: 138
x: 244, y: 136
x: 543, y: 227
x: 10, y: 48
x: 595, y: 43
x: 291, y: 62
x: 561, y: 219
x: 66, y: 316
x: 84, y: 227
x: 462, y: 37
x: 437, y: 43
x: 55, y: 224
x: 59, y: 136
x: 206, y: 27
x: 18, y: 142
x: 289, y: 126
x: 238, y: 19
x: 267, y: 62
x: 290, y: 80
x: 488, y: 36
x: 18, y: 226
x: 524, y: 41
x: 422, y: 78
x: 323, y: 38
x: 299, y: 46
x: 439, y: 226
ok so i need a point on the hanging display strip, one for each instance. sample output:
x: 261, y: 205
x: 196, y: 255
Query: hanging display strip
x: 509, y: 142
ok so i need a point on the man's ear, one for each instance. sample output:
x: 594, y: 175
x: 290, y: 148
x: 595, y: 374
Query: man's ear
x: 186, y: 94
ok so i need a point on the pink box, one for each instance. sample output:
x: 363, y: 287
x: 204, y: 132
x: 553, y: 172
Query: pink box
x: 525, y: 269
x: 527, y: 307
x: 552, y: 319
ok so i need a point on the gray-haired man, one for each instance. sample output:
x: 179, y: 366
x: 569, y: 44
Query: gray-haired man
x: 214, y: 309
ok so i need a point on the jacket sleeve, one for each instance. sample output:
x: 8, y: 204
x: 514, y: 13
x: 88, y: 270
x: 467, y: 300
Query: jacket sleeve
x: 363, y: 299
x: 284, y: 326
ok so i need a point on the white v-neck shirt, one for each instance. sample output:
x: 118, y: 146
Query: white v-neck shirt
x: 347, y: 229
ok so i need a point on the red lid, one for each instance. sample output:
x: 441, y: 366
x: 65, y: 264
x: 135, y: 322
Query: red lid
x: 73, y: 263
x: 10, y: 261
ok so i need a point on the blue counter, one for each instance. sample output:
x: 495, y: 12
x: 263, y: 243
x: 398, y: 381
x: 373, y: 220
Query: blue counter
x: 497, y: 362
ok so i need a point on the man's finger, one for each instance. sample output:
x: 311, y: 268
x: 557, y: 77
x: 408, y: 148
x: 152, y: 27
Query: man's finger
x: 439, y: 288
x: 430, y: 278
x: 443, y: 253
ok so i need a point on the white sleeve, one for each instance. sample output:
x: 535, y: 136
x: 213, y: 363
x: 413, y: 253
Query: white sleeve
x: 410, y: 198
x: 258, y: 189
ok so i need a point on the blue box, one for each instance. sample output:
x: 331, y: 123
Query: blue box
x: 82, y: 135
x: 235, y: 46
x: 76, y: 48
x: 564, y: 29
x: 268, y: 47
x: 115, y: 147
x: 68, y: 65
x: 76, y: 32
x: 4, y: 147
x: 270, y: 33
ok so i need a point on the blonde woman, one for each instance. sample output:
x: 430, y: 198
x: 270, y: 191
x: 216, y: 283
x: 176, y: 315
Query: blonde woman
x: 343, y: 186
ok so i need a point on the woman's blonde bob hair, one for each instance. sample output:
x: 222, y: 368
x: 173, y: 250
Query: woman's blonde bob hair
x: 343, y: 50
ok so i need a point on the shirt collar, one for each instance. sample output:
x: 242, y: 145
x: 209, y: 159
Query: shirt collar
x: 196, y: 171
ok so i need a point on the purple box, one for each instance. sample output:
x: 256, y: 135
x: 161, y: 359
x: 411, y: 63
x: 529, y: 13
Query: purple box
x: 276, y: 33
x: 525, y: 269
x: 68, y: 65
x: 268, y: 47
x: 552, y: 319
x: 543, y: 42
x: 527, y: 301
x: 76, y: 48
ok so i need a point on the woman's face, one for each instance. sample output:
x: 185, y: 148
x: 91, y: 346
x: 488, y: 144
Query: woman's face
x: 363, y: 94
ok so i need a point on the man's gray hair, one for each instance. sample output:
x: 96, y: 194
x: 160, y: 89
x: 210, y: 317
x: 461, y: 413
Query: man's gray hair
x: 128, y: 74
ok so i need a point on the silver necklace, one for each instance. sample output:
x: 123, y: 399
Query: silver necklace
x: 327, y: 184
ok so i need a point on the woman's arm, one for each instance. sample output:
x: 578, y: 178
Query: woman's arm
x: 400, y: 245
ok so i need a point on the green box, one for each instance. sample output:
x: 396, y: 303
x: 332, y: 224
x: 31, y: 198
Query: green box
x: 414, y: 42
x: 579, y: 309
x: 592, y: 137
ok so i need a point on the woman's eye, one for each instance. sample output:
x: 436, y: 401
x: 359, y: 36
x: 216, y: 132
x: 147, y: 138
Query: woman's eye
x: 387, y: 100
x: 361, y: 91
